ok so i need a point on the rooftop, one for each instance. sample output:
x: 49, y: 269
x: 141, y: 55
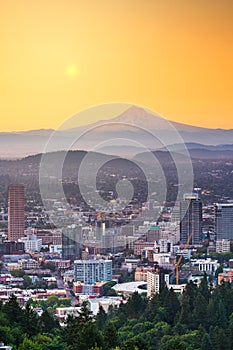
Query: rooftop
x: 129, y: 287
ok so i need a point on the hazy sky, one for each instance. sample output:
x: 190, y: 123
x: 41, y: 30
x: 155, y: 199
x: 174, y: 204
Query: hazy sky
x: 61, y: 56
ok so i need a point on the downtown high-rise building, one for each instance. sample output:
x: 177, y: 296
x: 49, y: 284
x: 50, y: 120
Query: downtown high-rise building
x: 92, y: 271
x: 71, y: 247
x: 224, y: 221
x: 16, y: 224
x: 190, y: 219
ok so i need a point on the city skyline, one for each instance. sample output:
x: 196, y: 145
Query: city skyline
x: 57, y: 59
x: 116, y: 172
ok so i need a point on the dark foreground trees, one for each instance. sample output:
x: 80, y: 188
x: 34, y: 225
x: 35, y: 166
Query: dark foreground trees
x: 199, y: 319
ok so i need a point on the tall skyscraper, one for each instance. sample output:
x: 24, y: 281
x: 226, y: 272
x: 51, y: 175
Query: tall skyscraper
x: 190, y: 218
x: 224, y: 221
x: 71, y: 237
x: 16, y: 223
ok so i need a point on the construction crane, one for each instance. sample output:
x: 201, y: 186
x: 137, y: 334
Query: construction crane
x: 181, y: 256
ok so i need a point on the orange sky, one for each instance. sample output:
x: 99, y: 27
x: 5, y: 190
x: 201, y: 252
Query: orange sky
x: 61, y: 56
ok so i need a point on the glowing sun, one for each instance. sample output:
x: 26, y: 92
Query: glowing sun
x: 71, y: 70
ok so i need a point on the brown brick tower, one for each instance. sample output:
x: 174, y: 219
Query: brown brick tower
x: 15, y: 212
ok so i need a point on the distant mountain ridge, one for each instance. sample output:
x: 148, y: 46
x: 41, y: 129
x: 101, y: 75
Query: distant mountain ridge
x: 135, y: 124
x: 200, y: 151
x: 194, y: 145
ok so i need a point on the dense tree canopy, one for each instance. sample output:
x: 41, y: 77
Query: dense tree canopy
x: 199, y: 319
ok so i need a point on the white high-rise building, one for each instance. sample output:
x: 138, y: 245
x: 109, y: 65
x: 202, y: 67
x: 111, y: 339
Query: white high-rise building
x: 153, y: 283
x: 164, y: 245
x: 92, y: 271
x: 32, y: 243
x: 223, y: 246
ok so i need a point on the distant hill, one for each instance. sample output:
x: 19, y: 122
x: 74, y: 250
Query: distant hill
x: 194, y: 145
x: 200, y: 151
x: 206, y: 164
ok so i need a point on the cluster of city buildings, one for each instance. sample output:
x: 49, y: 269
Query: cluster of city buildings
x: 88, y: 254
